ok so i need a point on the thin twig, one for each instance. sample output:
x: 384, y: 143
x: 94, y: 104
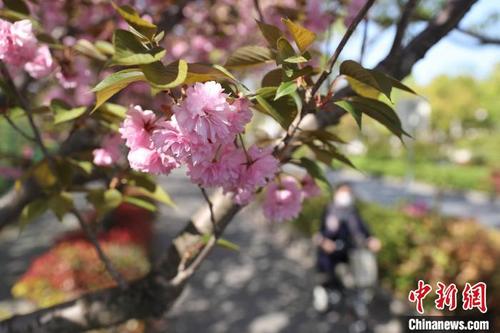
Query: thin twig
x: 186, y: 273
x: 18, y: 129
x: 259, y: 10
x: 362, y: 13
x: 364, y: 41
x: 115, y: 274
x: 211, y: 208
x: 27, y: 110
x: 481, y: 38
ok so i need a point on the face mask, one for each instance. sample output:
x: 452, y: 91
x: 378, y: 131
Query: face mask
x: 343, y: 199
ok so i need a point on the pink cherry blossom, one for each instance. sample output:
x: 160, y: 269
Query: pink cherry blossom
x: 17, y: 42
x: 41, y: 65
x: 240, y: 115
x: 260, y: 169
x: 168, y: 139
x: 138, y: 126
x: 109, y: 153
x: 222, y: 170
x: 149, y: 160
x: 283, y: 200
x: 204, y: 114
x: 309, y: 187
x: 243, y: 196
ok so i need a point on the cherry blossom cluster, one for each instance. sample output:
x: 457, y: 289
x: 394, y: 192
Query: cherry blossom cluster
x: 204, y: 134
x: 20, y: 49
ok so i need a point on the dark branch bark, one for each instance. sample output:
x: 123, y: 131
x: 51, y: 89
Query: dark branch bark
x: 402, y: 26
x: 443, y: 23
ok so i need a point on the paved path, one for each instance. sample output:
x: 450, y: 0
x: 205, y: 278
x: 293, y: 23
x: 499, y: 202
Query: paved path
x: 387, y: 191
x: 263, y: 288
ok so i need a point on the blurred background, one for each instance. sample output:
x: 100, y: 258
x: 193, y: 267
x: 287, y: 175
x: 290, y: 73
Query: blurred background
x: 433, y: 200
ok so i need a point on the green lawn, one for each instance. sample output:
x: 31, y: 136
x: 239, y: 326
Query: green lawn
x: 450, y: 176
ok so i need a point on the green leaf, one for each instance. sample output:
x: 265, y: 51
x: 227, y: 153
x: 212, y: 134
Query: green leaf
x: 355, y: 113
x: 85, y: 47
x: 322, y: 135
x: 328, y: 155
x: 139, y: 202
x: 364, y: 82
x: 379, y: 111
x: 60, y: 204
x: 271, y: 33
x: 202, y: 73
x: 285, y: 50
x: 115, y: 82
x: 85, y: 166
x: 63, y: 116
x: 272, y: 78
x: 228, y: 244
x: 249, y: 56
x: 144, y: 27
x: 386, y: 80
x: 165, y: 77
x: 297, y: 59
x: 302, y: 36
x: 18, y: 6
x: 33, y: 210
x: 105, y: 200
x: 283, y: 110
x: 369, y: 82
x: 130, y: 51
x: 105, y: 47
x: 158, y: 194
x: 315, y: 171
x: 285, y: 88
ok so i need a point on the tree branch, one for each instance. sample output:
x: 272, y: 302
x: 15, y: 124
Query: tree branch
x: 482, y: 39
x: 402, y: 26
x: 115, y: 274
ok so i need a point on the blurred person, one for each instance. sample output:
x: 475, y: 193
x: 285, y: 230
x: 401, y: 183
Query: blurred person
x: 344, y: 244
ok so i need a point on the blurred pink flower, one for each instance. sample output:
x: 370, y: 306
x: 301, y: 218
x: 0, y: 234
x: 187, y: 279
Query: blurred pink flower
x: 10, y: 172
x: 309, y: 187
x: 41, y: 65
x: 17, y: 42
x: 283, y: 200
x: 352, y: 10
x: 317, y: 19
x: 109, y: 153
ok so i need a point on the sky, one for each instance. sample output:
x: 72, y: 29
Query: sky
x: 454, y: 55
